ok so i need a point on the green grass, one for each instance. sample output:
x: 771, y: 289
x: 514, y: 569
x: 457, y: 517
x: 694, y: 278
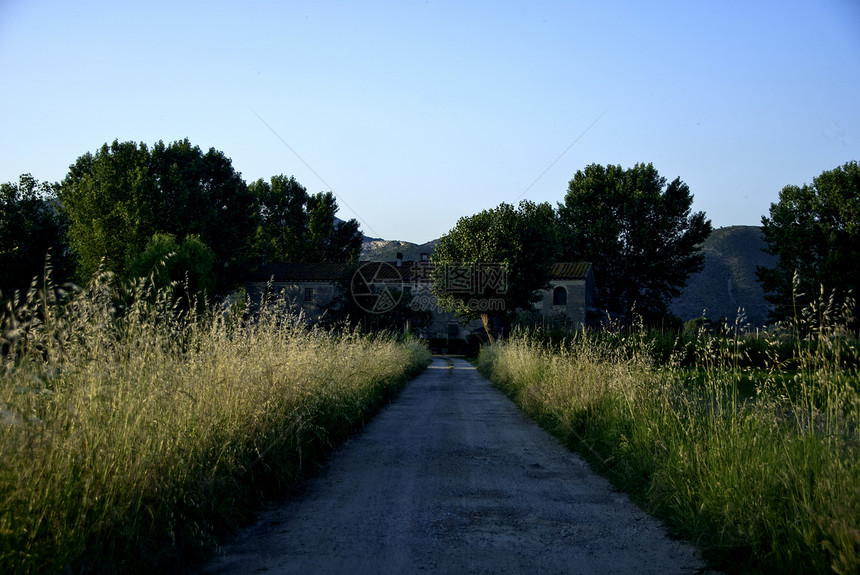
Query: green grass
x: 758, y: 466
x: 132, y: 437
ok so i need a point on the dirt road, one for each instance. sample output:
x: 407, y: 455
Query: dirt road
x: 452, y: 478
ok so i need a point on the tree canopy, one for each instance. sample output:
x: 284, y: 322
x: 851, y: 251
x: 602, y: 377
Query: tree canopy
x: 297, y: 227
x: 814, y: 230
x: 495, y: 262
x: 639, y: 234
x: 31, y: 227
x: 120, y: 197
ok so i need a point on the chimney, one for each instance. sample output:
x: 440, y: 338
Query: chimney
x: 399, y: 259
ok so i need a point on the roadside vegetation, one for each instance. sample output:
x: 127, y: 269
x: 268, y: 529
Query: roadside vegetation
x: 133, y: 433
x: 748, y: 445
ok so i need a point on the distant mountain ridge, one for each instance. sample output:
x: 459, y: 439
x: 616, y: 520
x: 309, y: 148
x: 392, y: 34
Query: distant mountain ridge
x: 387, y: 250
x: 726, y: 284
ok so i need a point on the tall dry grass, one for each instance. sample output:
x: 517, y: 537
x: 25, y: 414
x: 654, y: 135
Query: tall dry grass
x: 132, y: 434
x: 764, y: 484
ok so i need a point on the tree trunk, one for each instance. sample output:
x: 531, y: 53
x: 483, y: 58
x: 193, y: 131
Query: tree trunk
x: 495, y: 325
x: 487, y: 320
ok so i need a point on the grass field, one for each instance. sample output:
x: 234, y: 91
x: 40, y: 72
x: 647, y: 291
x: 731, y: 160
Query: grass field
x: 132, y: 435
x: 760, y: 466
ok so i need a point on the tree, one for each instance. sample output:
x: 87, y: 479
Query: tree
x: 109, y: 199
x: 119, y: 197
x: 281, y: 232
x: 31, y: 227
x: 639, y: 234
x: 297, y: 227
x: 814, y: 230
x: 331, y: 239
x: 495, y: 262
x: 189, y: 265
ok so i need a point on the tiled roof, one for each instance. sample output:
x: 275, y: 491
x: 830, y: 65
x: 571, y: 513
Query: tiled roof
x: 298, y: 272
x: 570, y: 271
x: 383, y: 271
x: 372, y: 271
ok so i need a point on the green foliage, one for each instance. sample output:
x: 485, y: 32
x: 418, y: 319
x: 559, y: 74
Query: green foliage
x: 506, y: 254
x: 727, y: 346
x: 281, y: 234
x: 31, y: 227
x: 129, y: 442
x: 102, y: 196
x: 299, y: 228
x: 814, y: 230
x: 698, y: 325
x: 201, y: 194
x: 639, y: 234
x: 330, y: 239
x: 119, y: 197
x: 188, y: 266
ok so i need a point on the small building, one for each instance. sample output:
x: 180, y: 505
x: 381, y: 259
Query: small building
x: 571, y: 293
x: 310, y: 287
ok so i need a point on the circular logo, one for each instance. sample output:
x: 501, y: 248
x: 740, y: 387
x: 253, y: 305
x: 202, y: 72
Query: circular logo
x: 376, y: 287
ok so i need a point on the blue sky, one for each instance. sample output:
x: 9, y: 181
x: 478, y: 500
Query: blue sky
x: 418, y: 113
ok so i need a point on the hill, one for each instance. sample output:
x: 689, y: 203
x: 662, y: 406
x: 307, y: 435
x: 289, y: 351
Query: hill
x: 386, y: 251
x: 728, y: 283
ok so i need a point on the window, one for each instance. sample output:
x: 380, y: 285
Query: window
x: 559, y: 296
x: 309, y: 294
x: 453, y: 330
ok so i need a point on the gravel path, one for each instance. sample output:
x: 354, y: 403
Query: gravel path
x: 452, y: 478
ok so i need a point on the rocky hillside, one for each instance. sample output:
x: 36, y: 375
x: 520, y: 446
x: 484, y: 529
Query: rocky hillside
x: 728, y: 281
x: 725, y: 285
x: 386, y: 251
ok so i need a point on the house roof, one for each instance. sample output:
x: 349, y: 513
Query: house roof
x: 570, y: 270
x: 298, y: 272
x: 382, y: 271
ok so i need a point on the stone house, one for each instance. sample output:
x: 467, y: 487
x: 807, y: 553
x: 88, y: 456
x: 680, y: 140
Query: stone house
x: 571, y: 293
x: 310, y: 287
x: 378, y: 286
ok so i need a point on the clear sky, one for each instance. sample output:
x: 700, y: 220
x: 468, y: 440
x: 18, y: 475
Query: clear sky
x: 418, y: 113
